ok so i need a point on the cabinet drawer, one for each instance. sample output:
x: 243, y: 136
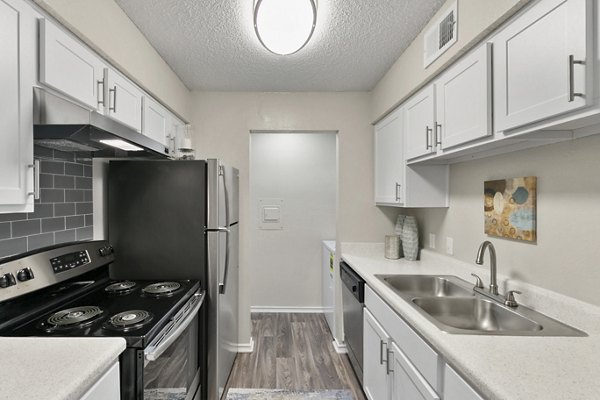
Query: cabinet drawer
x: 422, y: 356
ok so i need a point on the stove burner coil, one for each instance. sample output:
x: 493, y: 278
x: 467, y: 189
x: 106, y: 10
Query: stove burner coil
x: 129, y: 320
x: 161, y: 288
x: 73, y: 317
x: 121, y: 287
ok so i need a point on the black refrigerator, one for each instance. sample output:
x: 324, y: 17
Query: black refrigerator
x: 171, y: 220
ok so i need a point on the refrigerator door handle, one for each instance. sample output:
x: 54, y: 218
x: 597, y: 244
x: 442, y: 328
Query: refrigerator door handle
x: 224, y: 229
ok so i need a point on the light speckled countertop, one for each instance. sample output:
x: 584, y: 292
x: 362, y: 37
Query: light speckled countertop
x: 54, y: 368
x: 499, y: 367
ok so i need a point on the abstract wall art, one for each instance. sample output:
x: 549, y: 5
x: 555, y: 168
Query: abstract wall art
x: 510, y: 208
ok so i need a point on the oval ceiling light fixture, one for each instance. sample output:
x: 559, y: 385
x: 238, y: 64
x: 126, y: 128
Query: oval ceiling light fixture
x: 284, y: 26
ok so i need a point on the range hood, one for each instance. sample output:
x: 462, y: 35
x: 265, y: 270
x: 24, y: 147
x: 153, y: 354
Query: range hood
x: 62, y: 124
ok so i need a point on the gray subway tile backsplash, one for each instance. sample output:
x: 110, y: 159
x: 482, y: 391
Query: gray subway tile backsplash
x: 64, y: 212
x: 4, y: 230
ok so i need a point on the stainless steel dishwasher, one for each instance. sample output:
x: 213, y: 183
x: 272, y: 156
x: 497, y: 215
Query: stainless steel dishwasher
x: 353, y: 299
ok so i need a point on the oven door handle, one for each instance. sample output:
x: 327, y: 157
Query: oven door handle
x: 173, y: 330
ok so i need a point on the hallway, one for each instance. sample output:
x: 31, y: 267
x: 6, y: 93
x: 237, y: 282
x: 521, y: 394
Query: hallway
x: 293, y: 352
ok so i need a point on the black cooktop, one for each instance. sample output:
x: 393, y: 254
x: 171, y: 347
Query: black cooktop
x: 134, y: 310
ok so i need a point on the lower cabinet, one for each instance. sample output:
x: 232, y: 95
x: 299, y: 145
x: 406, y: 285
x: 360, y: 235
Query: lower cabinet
x: 108, y: 387
x: 399, y: 365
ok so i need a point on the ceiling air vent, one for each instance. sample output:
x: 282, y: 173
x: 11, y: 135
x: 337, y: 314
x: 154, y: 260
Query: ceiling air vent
x: 441, y: 35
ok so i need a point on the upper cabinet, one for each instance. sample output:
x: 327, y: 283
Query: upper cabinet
x: 18, y: 40
x: 124, y: 100
x: 389, y: 160
x: 464, y: 100
x: 419, y: 124
x: 68, y: 66
x: 155, y: 121
x: 543, y: 63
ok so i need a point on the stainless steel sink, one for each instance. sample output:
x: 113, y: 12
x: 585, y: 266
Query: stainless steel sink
x: 426, y: 285
x: 451, y: 304
x: 475, y: 314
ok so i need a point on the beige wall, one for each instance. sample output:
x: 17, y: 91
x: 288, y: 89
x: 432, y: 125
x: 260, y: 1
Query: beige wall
x: 223, y: 122
x: 567, y: 253
x: 107, y: 29
x: 476, y: 19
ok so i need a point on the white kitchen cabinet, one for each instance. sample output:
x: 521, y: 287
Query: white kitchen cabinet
x: 407, y: 382
x: 124, y: 100
x: 397, y: 184
x: 455, y: 388
x: 157, y: 122
x: 107, y: 387
x: 175, y: 135
x: 463, y: 96
x: 18, y: 61
x: 389, y: 160
x: 543, y: 63
x: 419, y: 124
x: 376, y: 370
x: 68, y: 66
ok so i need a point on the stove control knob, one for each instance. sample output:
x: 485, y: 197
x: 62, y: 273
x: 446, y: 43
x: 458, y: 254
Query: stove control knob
x: 105, y: 251
x: 7, y: 280
x: 25, y: 274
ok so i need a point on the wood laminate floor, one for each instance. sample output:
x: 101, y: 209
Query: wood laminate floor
x: 294, y: 352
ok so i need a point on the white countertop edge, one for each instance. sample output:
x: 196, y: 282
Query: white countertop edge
x: 55, y: 368
x: 497, y: 365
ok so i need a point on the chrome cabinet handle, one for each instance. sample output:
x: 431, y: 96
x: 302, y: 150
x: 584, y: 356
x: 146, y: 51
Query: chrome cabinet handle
x: 428, y: 131
x: 572, y: 62
x: 398, y: 186
x: 114, y: 102
x: 387, y: 363
x: 36, y: 179
x: 381, y: 344
x: 438, y: 134
x: 100, y: 98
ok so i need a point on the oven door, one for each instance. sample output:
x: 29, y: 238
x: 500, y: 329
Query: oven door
x: 172, y: 365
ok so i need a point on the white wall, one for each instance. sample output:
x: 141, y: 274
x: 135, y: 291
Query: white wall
x: 300, y: 169
x: 566, y: 256
x: 223, y: 122
x: 105, y: 27
x: 476, y: 19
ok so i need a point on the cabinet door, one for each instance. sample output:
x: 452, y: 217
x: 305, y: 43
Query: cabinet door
x: 455, y: 388
x: 67, y: 66
x: 376, y: 382
x: 389, y: 160
x: 407, y: 382
x: 107, y: 387
x: 175, y: 134
x: 156, y: 121
x: 17, y: 77
x: 419, y: 124
x: 464, y: 100
x: 124, y: 100
x: 542, y: 65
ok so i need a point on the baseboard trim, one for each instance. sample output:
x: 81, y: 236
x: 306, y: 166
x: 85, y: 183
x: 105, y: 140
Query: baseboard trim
x: 340, y: 347
x: 246, y: 347
x: 276, y: 309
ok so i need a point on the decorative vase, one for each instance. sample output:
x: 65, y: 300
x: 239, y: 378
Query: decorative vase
x: 410, y: 238
x: 399, y: 224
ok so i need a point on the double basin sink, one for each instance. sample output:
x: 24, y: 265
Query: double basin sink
x: 451, y: 304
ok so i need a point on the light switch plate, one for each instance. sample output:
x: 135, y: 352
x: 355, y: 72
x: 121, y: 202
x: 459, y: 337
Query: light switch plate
x: 270, y: 214
x: 432, y: 240
x: 449, y: 246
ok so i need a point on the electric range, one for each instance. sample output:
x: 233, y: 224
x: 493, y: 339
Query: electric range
x: 66, y: 291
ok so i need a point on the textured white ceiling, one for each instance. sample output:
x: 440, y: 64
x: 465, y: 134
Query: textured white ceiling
x: 211, y: 44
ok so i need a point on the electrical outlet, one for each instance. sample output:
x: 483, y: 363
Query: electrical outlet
x: 449, y: 246
x: 432, y: 240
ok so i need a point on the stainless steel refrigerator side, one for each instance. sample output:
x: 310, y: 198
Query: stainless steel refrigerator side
x: 222, y: 311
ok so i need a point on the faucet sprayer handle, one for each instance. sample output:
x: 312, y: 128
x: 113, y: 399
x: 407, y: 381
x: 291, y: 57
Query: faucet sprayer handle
x: 478, y: 282
x: 509, y: 298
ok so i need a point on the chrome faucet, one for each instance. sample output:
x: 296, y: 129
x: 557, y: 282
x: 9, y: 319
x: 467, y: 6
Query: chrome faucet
x: 492, y: 293
x: 493, y: 271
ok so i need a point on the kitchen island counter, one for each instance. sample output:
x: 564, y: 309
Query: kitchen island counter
x: 499, y: 367
x: 54, y: 368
